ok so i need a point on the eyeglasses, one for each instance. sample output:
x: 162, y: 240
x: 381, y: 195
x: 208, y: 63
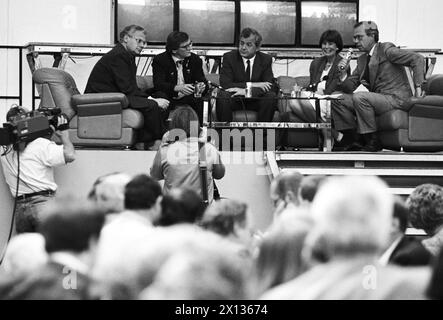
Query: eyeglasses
x: 186, y: 46
x: 139, y: 41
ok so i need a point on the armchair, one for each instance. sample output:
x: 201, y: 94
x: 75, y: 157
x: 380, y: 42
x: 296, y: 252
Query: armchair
x: 418, y: 127
x: 95, y: 119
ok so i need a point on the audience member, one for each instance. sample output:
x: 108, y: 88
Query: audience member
x: 177, y: 71
x: 70, y: 229
x: 181, y: 206
x: 285, y: 191
x: 352, y: 217
x: 108, y: 191
x: 403, y: 250
x: 435, y: 287
x: 425, y: 205
x: 247, y: 64
x: 177, y: 160
x: 280, y: 252
x: 116, y: 72
x: 309, y: 186
x: 381, y: 71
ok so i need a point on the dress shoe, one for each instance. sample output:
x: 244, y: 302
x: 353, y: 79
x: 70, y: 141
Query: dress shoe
x: 373, y: 143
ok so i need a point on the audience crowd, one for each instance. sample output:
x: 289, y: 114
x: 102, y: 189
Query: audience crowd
x: 330, y: 238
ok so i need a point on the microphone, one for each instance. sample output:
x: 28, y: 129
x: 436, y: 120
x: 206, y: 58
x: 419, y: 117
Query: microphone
x: 348, y: 57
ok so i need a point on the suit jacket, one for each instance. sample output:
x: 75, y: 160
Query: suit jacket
x: 386, y: 71
x: 316, y: 69
x: 410, y: 252
x: 116, y: 72
x: 165, y: 72
x: 233, y: 74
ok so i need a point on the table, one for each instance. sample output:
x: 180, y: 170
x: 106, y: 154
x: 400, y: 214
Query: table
x: 325, y: 145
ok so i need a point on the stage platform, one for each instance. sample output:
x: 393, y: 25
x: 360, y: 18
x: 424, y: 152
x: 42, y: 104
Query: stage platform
x: 402, y: 171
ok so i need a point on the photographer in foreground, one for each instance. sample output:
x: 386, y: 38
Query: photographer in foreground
x: 30, y: 165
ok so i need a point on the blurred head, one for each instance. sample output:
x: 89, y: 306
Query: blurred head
x: 133, y: 38
x: 14, y: 112
x: 352, y: 215
x: 70, y: 225
x: 179, y: 44
x: 250, y: 42
x: 225, y: 217
x: 425, y: 205
x: 331, y: 43
x: 24, y: 254
x: 142, y: 192
x: 181, y: 206
x: 108, y: 192
x: 365, y: 35
x: 309, y: 186
x: 285, y: 188
x: 184, y: 123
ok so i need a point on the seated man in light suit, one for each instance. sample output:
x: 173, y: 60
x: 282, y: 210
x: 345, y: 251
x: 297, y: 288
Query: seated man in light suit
x: 247, y: 64
x: 381, y: 70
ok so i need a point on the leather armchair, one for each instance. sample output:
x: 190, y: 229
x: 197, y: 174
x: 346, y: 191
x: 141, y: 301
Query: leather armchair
x: 95, y: 119
x: 418, y: 127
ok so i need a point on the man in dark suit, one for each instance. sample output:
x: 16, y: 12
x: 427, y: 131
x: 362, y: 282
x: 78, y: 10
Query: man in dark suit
x: 116, y: 72
x: 381, y: 70
x: 177, y: 70
x: 247, y: 64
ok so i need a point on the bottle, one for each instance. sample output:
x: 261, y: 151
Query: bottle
x: 348, y: 57
x: 248, y: 90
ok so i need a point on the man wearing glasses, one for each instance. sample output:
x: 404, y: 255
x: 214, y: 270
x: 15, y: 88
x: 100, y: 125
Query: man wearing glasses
x: 116, y: 72
x: 177, y: 70
x: 381, y: 70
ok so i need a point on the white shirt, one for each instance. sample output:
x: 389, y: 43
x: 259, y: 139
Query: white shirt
x: 36, y: 166
x: 251, y: 63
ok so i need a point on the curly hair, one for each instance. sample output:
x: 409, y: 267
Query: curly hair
x: 425, y: 205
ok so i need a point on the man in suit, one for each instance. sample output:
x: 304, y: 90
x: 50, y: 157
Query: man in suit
x: 177, y: 70
x: 381, y: 70
x: 116, y: 72
x: 247, y: 64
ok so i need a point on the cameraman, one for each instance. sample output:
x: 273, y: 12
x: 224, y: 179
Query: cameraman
x: 37, y: 159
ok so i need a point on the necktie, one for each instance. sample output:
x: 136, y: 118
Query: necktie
x: 180, y: 78
x: 248, y: 70
x: 366, y: 72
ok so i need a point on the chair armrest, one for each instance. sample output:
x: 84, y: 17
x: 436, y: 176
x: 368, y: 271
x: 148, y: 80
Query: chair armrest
x: 435, y: 101
x: 100, y: 98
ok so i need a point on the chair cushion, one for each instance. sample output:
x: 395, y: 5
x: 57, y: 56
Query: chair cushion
x: 132, y: 119
x: 213, y: 77
x: 393, y: 120
x: 145, y: 82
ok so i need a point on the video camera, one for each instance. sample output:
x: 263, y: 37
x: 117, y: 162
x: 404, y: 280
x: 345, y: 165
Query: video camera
x: 28, y: 126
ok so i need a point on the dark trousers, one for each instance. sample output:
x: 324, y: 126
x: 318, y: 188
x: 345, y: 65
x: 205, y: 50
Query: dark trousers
x: 265, y: 107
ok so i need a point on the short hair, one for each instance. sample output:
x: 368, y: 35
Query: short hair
x: 309, y: 186
x: 183, y: 118
x: 425, y: 205
x: 247, y: 32
x: 70, y: 224
x: 109, y: 193
x: 288, y: 181
x: 181, y: 206
x: 129, y: 30
x: 371, y: 29
x: 175, y: 39
x: 223, y: 215
x: 141, y: 192
x: 353, y: 215
x: 14, y: 112
x: 332, y: 36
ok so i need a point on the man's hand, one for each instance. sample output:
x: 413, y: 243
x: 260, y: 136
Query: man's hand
x: 237, y: 91
x: 62, y: 122
x: 185, y: 89
x: 162, y: 103
x: 265, y: 86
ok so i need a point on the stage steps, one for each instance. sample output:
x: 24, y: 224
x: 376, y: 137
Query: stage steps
x: 402, y: 171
